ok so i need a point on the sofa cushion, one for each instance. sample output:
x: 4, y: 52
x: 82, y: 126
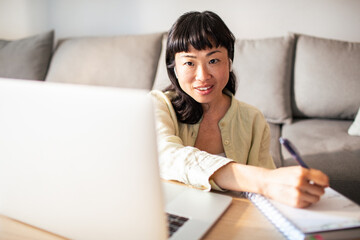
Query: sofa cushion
x: 315, y: 136
x: 26, y: 58
x: 263, y: 69
x: 119, y: 61
x: 326, y: 78
x: 325, y: 145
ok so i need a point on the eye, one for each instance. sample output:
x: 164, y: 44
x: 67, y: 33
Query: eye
x: 190, y: 64
x: 213, y: 61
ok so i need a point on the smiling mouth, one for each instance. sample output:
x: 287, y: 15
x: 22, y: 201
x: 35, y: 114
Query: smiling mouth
x: 204, y: 88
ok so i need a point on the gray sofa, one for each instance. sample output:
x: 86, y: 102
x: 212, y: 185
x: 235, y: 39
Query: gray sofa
x: 306, y: 87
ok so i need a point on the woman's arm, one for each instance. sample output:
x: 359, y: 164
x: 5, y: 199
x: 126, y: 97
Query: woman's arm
x: 192, y: 166
x: 294, y: 186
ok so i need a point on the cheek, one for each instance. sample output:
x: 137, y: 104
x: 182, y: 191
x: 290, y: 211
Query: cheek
x: 184, y: 84
x: 222, y: 74
x: 185, y: 79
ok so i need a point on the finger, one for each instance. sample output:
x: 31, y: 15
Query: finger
x: 309, y: 198
x: 312, y: 189
x: 302, y: 199
x: 303, y: 204
x: 305, y: 199
x: 318, y: 178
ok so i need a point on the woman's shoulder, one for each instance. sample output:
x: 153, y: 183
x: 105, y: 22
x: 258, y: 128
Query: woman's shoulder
x: 240, y: 106
x: 160, y: 95
x: 247, y: 110
x: 162, y: 100
x: 243, y: 106
x: 164, y: 110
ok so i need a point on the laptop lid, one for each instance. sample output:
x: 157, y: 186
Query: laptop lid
x: 80, y: 161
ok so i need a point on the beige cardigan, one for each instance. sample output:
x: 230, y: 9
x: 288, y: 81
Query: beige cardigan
x: 245, y: 136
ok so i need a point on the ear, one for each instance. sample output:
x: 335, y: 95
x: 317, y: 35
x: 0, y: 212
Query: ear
x: 230, y: 65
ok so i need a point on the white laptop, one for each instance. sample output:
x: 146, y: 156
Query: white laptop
x: 81, y: 162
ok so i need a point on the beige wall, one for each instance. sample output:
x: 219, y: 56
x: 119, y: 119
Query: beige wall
x: 339, y: 19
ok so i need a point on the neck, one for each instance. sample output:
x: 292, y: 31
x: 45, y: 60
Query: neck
x: 217, y: 109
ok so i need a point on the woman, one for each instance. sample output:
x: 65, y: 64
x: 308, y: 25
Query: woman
x: 206, y: 137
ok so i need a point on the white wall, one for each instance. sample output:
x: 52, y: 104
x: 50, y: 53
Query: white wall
x: 339, y: 19
x: 19, y: 18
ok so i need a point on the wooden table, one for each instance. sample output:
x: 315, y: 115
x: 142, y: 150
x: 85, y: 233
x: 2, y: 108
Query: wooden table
x: 242, y: 220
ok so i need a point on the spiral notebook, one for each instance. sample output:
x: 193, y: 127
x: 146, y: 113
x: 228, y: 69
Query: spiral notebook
x: 333, y: 217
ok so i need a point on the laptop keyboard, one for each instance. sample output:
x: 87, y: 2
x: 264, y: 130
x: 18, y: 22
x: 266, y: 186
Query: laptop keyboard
x: 175, y: 222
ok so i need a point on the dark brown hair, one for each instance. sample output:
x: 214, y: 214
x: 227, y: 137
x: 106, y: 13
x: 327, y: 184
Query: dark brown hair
x: 201, y: 30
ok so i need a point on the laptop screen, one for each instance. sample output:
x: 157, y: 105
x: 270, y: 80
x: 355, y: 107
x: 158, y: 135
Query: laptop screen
x: 80, y: 161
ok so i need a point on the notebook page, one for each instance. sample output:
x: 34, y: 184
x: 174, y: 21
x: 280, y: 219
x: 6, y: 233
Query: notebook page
x: 333, y: 211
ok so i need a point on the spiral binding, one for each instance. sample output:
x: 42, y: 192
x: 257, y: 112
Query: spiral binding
x: 287, y: 228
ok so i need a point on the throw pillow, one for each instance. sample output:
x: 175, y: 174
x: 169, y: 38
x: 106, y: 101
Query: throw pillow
x: 127, y: 61
x: 354, y: 129
x: 326, y: 78
x: 263, y: 69
x: 26, y: 58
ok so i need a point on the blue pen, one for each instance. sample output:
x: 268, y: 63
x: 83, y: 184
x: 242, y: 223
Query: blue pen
x: 292, y: 150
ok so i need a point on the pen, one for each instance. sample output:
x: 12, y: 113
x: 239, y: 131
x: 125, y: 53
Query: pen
x: 292, y: 150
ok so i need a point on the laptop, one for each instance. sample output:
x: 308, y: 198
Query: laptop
x: 81, y: 162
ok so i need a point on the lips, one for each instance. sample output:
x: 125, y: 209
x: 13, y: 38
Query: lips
x: 204, y: 90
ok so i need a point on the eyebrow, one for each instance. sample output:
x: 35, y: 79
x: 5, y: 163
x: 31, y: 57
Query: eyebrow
x: 208, y: 54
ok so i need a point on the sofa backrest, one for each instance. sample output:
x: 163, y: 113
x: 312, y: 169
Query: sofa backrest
x: 119, y: 61
x: 285, y: 77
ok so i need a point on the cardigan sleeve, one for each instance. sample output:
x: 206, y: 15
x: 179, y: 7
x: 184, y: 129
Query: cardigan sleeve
x: 186, y: 164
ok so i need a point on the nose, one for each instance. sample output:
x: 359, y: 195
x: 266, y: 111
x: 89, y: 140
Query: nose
x: 202, y: 73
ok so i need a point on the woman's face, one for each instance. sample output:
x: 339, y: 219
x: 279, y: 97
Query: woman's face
x: 203, y: 74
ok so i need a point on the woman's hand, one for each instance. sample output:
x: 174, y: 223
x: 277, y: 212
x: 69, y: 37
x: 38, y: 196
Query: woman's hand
x: 295, y: 186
